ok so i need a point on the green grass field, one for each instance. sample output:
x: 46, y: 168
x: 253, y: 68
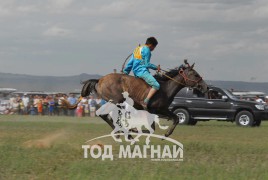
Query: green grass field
x: 34, y: 147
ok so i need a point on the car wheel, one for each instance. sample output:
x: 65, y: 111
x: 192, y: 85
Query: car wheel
x: 244, y: 118
x: 182, y: 115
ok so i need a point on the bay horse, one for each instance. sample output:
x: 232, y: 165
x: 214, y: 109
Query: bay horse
x: 111, y: 87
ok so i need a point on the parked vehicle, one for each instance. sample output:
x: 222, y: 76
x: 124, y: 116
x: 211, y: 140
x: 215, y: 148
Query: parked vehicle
x: 249, y: 95
x: 217, y: 104
x: 5, y: 95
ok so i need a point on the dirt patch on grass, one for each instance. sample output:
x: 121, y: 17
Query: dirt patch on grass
x: 97, y: 143
x: 47, y: 141
x: 2, y: 134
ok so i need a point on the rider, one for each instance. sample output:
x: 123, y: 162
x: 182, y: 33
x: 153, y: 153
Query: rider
x: 140, y: 64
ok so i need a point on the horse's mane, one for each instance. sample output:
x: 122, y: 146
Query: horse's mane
x: 171, y: 73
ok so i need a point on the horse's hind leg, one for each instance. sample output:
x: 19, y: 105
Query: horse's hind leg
x: 107, y: 120
x: 152, y: 126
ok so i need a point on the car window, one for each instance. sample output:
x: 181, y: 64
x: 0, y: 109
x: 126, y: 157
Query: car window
x: 190, y: 93
x: 184, y: 92
x: 213, y: 94
x: 230, y: 94
x: 198, y: 94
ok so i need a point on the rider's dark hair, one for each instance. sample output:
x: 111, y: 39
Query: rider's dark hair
x: 152, y: 41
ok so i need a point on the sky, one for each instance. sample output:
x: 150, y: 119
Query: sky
x: 227, y: 39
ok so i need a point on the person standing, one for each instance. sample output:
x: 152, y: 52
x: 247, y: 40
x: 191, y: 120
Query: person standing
x: 92, y: 106
x: 64, y: 109
x: 26, y: 101
x: 40, y: 107
x: 79, y: 110
x: 31, y: 110
x: 35, y: 102
x: 56, y: 106
x: 72, y: 100
x: 45, y: 105
x: 51, y: 106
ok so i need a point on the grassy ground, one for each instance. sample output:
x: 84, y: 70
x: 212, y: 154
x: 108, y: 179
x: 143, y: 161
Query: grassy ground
x: 33, y: 147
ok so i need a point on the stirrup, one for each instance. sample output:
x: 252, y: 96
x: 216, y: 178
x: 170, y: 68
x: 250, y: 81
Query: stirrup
x: 144, y: 105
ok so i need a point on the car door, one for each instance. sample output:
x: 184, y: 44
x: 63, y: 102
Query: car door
x: 197, y: 107
x: 217, y: 106
x: 195, y: 103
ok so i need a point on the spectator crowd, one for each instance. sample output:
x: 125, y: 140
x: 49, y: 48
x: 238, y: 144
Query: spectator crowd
x: 51, y: 105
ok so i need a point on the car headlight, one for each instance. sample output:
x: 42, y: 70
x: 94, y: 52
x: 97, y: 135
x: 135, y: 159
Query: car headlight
x: 259, y: 106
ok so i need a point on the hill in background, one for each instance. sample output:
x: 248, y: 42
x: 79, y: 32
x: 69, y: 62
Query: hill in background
x: 23, y: 82
x: 241, y: 86
x: 44, y: 83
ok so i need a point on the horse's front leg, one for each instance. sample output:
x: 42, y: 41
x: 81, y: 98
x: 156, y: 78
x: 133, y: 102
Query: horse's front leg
x: 107, y: 120
x: 175, y: 122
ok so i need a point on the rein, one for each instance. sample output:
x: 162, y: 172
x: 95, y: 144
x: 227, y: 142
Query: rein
x: 185, y: 78
x: 171, y: 78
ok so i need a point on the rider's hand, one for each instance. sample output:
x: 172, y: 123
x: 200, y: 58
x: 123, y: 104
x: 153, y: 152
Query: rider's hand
x: 158, y: 68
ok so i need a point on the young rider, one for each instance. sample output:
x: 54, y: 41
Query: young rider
x: 140, y: 64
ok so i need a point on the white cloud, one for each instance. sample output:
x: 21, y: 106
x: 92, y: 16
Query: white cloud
x: 98, y: 28
x: 211, y: 31
x: 27, y: 8
x: 262, y: 9
x: 109, y: 9
x: 60, y: 4
x: 57, y: 32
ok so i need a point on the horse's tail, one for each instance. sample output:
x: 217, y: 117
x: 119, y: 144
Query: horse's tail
x: 156, y: 120
x: 89, y: 87
x: 66, y: 104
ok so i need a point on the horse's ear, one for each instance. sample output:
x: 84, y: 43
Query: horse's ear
x: 186, y: 63
x: 192, y: 66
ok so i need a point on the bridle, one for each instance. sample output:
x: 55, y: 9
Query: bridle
x: 185, y: 78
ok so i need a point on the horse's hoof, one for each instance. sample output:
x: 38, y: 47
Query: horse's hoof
x: 167, y: 134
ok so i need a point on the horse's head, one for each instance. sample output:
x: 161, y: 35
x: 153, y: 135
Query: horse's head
x: 192, y: 78
x: 106, y: 108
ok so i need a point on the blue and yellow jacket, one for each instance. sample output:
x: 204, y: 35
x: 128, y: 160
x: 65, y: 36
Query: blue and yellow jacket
x: 140, y: 61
